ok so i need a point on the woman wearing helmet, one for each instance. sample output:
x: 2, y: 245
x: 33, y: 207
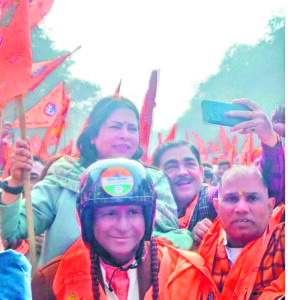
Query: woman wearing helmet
x: 112, y: 131
x: 119, y: 259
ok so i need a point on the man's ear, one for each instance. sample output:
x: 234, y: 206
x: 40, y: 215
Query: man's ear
x: 271, y: 204
x: 216, y: 204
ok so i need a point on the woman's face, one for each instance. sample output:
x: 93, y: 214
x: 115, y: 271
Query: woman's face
x: 119, y: 229
x: 118, y: 135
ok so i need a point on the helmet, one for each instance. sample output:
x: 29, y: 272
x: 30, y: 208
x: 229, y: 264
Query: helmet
x: 115, y: 181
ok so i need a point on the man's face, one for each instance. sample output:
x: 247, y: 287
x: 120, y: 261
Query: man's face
x: 35, y: 173
x: 222, y: 169
x: 243, y: 207
x: 183, y: 171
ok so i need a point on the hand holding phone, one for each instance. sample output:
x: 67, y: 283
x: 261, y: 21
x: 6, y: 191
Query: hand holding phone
x: 215, y: 112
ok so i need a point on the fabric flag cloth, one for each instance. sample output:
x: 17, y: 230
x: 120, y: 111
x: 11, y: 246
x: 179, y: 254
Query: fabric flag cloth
x: 187, y: 138
x: 224, y: 140
x: 53, y: 133
x: 172, y: 134
x: 42, y: 69
x: 38, y: 9
x: 68, y: 149
x: 247, y: 150
x: 35, y: 144
x: 199, y: 142
x: 15, y: 49
x: 117, y: 91
x: 45, y: 111
x: 147, y: 113
x: 233, y: 150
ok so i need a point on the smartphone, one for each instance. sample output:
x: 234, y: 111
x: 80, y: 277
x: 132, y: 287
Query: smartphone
x: 214, y: 112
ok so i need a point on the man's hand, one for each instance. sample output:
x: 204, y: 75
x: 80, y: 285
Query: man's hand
x: 21, y: 159
x: 258, y: 123
x: 200, y: 230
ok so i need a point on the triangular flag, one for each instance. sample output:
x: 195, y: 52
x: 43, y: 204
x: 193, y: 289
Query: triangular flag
x: 171, y: 135
x: 147, y: 113
x: 53, y: 133
x: 199, y: 142
x: 224, y: 140
x: 68, y: 149
x: 44, y: 112
x: 35, y: 144
x: 40, y: 70
x: 38, y: 9
x: 117, y: 91
x: 15, y: 49
x: 247, y: 150
x: 187, y: 138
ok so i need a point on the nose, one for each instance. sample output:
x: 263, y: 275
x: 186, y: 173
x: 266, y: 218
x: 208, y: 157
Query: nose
x: 124, y: 133
x: 182, y: 170
x: 122, y: 223
x: 241, y: 206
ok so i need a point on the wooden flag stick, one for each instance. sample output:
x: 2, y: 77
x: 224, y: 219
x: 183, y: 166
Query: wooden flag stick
x: 27, y: 191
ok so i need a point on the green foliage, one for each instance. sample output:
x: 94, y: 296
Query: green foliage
x: 255, y: 72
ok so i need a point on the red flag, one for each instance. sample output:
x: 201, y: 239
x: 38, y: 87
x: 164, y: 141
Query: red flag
x: 42, y: 69
x: 146, y: 114
x: 15, y: 49
x: 35, y: 144
x: 38, y: 9
x: 172, y: 134
x: 53, y: 133
x: 117, y: 91
x: 233, y: 150
x: 247, y: 150
x: 224, y: 140
x: 187, y: 135
x: 68, y: 149
x: 200, y: 143
x: 43, y: 114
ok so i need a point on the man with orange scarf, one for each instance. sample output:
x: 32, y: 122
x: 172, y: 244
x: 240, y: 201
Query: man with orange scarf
x: 245, y: 245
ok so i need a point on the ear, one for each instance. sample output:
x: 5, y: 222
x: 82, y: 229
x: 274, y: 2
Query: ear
x: 216, y: 204
x: 271, y: 204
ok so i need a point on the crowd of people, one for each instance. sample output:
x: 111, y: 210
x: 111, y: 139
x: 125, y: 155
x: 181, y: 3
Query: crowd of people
x: 115, y: 228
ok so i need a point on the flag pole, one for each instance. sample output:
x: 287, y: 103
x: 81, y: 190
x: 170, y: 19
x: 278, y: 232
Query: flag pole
x: 27, y: 191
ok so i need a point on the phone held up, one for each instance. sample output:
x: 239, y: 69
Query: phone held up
x: 214, y: 112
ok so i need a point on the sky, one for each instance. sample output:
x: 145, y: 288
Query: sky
x: 127, y: 39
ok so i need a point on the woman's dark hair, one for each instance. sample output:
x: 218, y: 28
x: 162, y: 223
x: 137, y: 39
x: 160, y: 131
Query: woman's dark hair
x: 96, y: 271
x: 100, y: 112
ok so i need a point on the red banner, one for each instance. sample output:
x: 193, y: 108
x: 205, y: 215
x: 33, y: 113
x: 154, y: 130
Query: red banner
x: 15, y: 49
x: 38, y: 9
x: 43, y: 113
x: 146, y: 114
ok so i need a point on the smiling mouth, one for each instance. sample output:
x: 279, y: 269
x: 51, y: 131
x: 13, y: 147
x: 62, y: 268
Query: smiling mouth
x: 242, y: 221
x: 121, y: 147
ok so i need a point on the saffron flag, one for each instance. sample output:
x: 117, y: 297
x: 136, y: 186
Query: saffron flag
x: 35, y: 144
x: 44, y: 112
x: 38, y: 9
x: 224, y: 140
x: 172, y: 134
x: 15, y: 49
x: 187, y: 138
x: 200, y: 143
x: 68, y: 149
x: 233, y: 150
x: 117, y: 91
x: 53, y: 133
x: 146, y: 114
x: 42, y: 69
x: 247, y: 150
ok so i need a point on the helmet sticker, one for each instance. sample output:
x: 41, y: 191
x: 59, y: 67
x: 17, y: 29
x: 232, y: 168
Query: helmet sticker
x: 117, y: 181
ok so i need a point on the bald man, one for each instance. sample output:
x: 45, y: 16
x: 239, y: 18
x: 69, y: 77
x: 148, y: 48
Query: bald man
x: 244, y: 247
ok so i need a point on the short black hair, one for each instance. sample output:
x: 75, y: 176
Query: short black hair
x: 223, y: 162
x: 166, y: 146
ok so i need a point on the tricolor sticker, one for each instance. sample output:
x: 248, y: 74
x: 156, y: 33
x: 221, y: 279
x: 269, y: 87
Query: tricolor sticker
x: 117, y: 181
